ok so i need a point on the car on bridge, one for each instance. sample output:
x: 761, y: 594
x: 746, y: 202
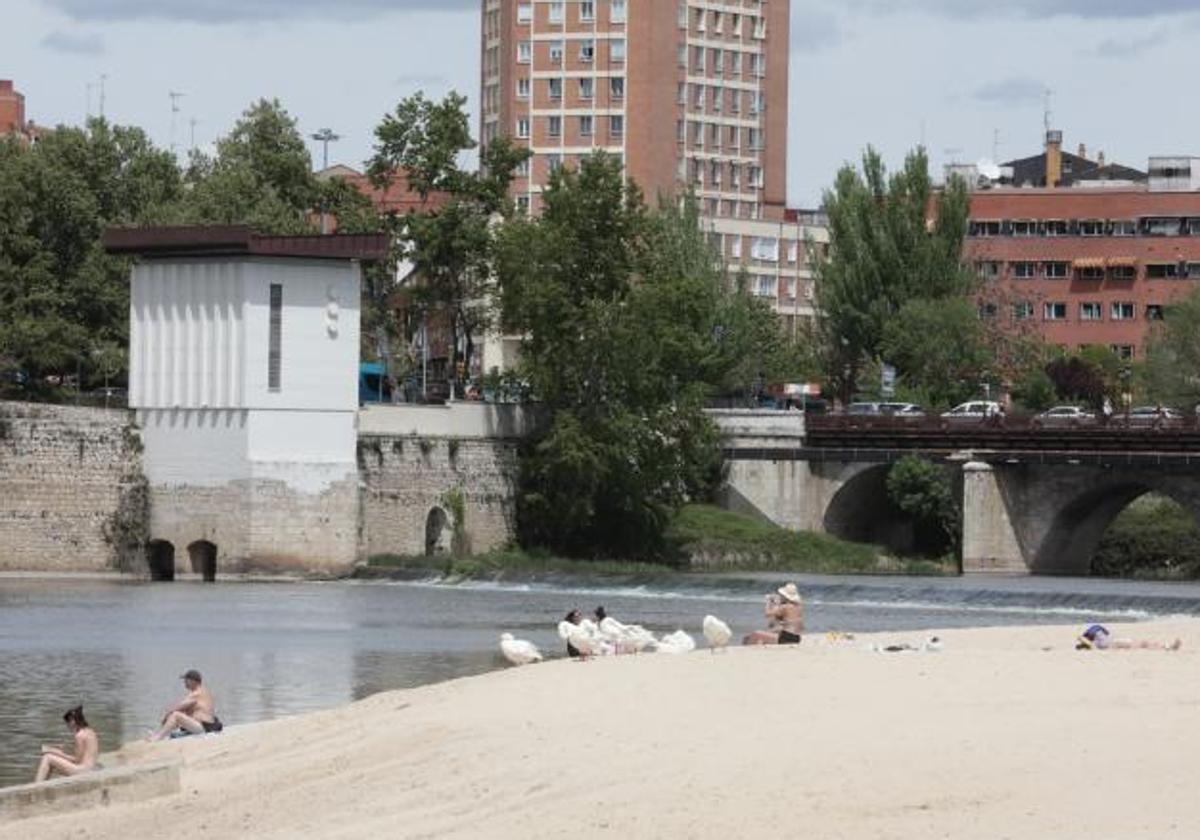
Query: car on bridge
x: 1064, y: 417
x: 976, y: 411
x: 1149, y: 417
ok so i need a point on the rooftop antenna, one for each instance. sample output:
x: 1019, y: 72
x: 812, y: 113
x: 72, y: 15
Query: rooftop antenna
x: 175, y: 97
x: 325, y: 136
x: 87, y: 114
x: 192, y: 138
x: 103, y: 78
x: 1047, y: 113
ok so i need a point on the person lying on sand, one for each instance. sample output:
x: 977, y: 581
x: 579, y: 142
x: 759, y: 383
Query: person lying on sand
x: 785, y: 619
x: 81, y: 760
x: 1097, y: 637
x: 194, y: 714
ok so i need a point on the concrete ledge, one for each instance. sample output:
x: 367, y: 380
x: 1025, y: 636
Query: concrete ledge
x: 133, y: 783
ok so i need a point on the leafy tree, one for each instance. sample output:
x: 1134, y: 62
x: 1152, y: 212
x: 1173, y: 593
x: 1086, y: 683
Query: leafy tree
x: 629, y: 325
x: 64, y: 303
x: 923, y: 490
x: 1036, y: 390
x: 883, y: 253
x: 1172, y: 368
x: 1078, y: 380
x: 449, y: 241
x: 938, y: 347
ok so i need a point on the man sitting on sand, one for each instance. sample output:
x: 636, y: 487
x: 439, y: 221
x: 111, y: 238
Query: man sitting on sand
x: 1097, y: 637
x: 194, y: 714
x: 785, y: 618
x: 82, y: 759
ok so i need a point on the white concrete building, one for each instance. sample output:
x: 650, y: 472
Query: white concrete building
x: 243, y: 374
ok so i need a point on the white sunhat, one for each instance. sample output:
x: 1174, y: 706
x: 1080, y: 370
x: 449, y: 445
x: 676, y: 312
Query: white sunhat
x: 790, y: 593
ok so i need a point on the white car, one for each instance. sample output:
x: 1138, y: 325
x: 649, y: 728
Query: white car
x: 975, y: 411
x: 1064, y: 416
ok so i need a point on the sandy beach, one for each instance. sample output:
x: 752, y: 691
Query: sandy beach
x: 1006, y: 733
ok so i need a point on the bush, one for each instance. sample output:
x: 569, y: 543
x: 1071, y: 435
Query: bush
x: 1153, y: 537
x: 922, y: 490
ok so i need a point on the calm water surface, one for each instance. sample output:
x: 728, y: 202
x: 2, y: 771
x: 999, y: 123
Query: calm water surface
x: 271, y: 649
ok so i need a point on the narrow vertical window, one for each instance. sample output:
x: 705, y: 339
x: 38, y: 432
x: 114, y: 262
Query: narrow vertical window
x: 275, y: 339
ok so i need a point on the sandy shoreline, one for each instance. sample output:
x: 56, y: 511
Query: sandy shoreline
x: 995, y: 736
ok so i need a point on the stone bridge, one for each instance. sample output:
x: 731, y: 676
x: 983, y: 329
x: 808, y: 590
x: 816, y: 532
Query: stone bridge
x: 1034, y: 501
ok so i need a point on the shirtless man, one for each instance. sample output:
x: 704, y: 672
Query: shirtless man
x: 785, y: 617
x: 194, y: 714
x: 87, y: 749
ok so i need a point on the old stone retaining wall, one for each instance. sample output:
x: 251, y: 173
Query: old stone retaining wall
x: 72, y: 496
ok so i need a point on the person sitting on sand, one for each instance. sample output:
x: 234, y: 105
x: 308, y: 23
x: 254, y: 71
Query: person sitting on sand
x: 194, y: 714
x: 83, y: 759
x: 785, y: 618
x: 575, y: 617
x: 1097, y: 637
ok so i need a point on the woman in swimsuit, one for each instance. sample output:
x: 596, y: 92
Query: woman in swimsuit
x: 785, y: 618
x: 83, y: 759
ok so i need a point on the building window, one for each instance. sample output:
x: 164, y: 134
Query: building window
x: 585, y: 126
x: 765, y: 248
x: 681, y: 55
x: 1056, y: 270
x: 754, y: 136
x: 1024, y: 227
x: 556, y: 12
x: 1123, y: 311
x: 756, y: 176
x: 587, y: 50
x: 714, y: 172
x: 718, y: 61
x: 1091, y: 272
x: 1124, y: 352
x: 1124, y: 227
x: 793, y: 252
x: 1154, y: 312
x: 523, y: 168
x: 555, y: 163
x: 714, y: 135
x: 616, y: 49
x: 764, y: 286
x: 987, y: 311
x: 524, y: 52
x: 735, y: 247
x: 587, y: 10
x: 735, y: 175
x: 616, y: 125
x: 698, y: 60
x: 587, y: 88
x: 555, y: 127
x: 681, y: 93
x: 717, y: 97
x: 522, y: 88
x: 698, y: 134
x: 1091, y: 227
x: 523, y: 128
x: 988, y: 269
x: 616, y: 87
x: 1091, y: 312
x: 524, y: 12
x: 1123, y: 272
x: 680, y: 131
x: 617, y: 13
x: 556, y: 88
x: 556, y: 52
x: 1162, y: 271
x: 1055, y: 227
x: 1054, y: 312
x: 1024, y: 270
x: 275, y: 338
x: 983, y: 229
x: 1161, y: 227
x: 1022, y: 310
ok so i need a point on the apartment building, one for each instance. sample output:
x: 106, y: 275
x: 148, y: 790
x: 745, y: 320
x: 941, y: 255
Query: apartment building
x: 687, y: 93
x: 1089, y: 252
x: 12, y: 109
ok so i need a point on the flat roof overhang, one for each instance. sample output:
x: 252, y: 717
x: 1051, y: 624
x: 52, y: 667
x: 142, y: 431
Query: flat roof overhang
x: 241, y: 241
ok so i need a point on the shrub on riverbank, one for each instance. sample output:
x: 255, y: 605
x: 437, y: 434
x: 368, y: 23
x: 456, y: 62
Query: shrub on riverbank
x: 1153, y: 538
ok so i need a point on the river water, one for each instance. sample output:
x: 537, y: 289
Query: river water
x: 271, y: 649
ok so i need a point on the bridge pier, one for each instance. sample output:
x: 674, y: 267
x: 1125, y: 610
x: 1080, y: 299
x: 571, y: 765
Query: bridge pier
x: 989, y: 541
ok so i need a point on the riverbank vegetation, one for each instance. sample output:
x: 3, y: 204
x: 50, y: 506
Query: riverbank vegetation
x: 700, y: 539
x: 1154, y: 538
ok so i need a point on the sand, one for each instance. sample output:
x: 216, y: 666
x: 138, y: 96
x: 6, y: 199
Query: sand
x: 1006, y: 733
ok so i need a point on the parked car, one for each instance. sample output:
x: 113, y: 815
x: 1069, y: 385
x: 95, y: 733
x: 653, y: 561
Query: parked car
x: 1064, y: 417
x: 864, y: 409
x: 1150, y: 417
x: 976, y: 411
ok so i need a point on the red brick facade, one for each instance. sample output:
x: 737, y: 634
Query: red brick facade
x: 1088, y: 265
x: 12, y: 110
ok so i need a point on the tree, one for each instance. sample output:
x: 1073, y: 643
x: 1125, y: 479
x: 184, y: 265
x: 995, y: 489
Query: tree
x: 883, y: 253
x: 449, y: 241
x: 1172, y: 368
x: 1076, y: 379
x: 923, y: 490
x: 64, y: 303
x: 938, y: 348
x: 629, y: 325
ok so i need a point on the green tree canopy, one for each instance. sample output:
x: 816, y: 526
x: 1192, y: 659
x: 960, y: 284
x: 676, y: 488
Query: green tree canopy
x: 884, y: 252
x: 938, y: 348
x: 1172, y: 369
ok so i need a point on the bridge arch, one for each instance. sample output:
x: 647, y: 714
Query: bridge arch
x: 1079, y: 524
x: 160, y: 555
x: 861, y: 511
x: 203, y: 557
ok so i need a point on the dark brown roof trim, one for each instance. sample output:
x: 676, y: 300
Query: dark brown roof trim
x: 239, y: 241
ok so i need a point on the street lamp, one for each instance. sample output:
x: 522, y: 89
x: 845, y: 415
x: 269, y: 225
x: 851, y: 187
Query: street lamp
x: 325, y: 136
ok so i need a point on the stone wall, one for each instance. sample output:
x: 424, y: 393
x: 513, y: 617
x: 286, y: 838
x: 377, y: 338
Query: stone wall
x: 71, y: 493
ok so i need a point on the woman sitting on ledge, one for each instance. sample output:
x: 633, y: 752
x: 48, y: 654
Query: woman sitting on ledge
x: 87, y: 749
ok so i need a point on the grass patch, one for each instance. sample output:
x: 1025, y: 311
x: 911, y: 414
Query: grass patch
x: 719, y: 540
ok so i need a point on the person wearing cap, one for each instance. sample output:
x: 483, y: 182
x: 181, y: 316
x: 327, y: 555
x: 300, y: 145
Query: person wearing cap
x: 785, y: 619
x: 195, y: 714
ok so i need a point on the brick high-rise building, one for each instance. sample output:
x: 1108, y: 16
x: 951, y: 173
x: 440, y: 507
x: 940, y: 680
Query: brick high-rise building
x: 686, y: 92
x: 12, y: 109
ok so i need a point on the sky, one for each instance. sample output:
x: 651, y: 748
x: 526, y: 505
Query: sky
x: 966, y: 78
